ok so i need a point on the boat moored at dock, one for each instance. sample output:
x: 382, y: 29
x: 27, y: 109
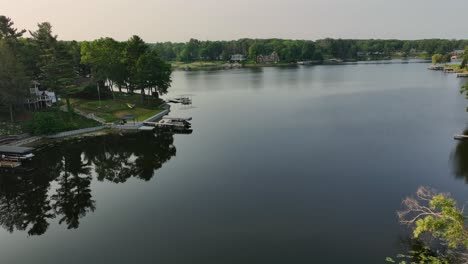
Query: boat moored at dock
x: 175, y: 124
x: 181, y: 100
x: 12, y: 156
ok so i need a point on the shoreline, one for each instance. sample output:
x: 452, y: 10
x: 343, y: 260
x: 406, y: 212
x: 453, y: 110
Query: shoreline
x: 38, y: 141
x: 210, y: 66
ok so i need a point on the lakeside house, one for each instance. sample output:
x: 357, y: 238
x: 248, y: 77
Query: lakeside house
x: 39, y: 99
x: 265, y: 59
x: 237, y: 58
x: 457, y: 54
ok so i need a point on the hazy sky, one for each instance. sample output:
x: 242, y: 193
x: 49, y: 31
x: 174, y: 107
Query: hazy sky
x: 180, y: 20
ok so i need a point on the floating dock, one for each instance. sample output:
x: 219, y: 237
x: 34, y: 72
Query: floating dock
x: 462, y: 75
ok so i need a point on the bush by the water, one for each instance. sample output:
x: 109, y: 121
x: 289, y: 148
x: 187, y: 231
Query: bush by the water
x: 51, y: 122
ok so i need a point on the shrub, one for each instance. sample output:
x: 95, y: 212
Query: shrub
x: 45, y: 123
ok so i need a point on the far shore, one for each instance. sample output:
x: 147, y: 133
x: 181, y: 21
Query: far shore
x: 221, y: 65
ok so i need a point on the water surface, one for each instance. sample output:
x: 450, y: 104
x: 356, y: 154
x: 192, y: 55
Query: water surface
x: 284, y: 165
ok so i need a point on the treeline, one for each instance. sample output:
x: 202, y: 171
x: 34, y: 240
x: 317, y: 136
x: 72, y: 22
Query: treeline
x: 300, y: 50
x: 62, y: 66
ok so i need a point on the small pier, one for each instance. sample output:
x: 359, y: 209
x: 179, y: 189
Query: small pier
x: 462, y: 75
x: 436, y: 68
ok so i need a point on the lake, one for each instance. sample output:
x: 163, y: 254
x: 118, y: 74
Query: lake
x: 284, y: 165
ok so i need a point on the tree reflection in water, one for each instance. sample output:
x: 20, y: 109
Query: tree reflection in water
x: 59, y: 186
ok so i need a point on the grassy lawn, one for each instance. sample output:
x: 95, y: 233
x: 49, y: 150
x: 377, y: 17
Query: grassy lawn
x: 455, y: 67
x: 112, y: 110
x: 45, y: 122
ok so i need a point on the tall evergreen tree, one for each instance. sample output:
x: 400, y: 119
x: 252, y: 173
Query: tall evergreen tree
x: 14, y: 83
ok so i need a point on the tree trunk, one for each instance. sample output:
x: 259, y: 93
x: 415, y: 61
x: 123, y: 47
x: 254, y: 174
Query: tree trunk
x: 111, y: 87
x: 11, y: 113
x: 142, y: 95
x: 99, y: 93
x: 69, y: 108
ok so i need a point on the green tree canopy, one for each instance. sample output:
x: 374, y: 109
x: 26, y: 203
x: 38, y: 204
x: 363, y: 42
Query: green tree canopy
x: 153, y: 74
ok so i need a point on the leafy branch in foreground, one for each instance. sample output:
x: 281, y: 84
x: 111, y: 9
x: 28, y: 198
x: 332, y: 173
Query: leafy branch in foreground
x: 437, y: 216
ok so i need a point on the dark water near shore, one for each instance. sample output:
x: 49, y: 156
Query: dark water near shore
x: 284, y: 165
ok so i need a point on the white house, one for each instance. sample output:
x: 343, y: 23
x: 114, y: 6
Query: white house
x: 38, y: 98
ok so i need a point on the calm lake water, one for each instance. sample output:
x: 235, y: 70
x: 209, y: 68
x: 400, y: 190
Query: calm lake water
x: 284, y: 165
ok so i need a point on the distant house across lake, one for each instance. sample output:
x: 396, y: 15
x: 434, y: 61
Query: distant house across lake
x: 237, y: 58
x: 265, y: 59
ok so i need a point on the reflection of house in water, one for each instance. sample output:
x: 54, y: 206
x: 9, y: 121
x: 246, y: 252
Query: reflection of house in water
x: 40, y: 99
x: 265, y: 59
x: 60, y: 186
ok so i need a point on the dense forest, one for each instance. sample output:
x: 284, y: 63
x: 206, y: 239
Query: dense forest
x: 301, y: 50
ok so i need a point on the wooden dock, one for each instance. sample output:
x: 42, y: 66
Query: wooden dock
x: 462, y: 75
x: 460, y: 137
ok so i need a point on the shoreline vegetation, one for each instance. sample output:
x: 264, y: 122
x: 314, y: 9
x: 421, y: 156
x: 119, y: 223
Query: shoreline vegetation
x: 48, y: 86
x: 217, y: 65
x: 79, y: 75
